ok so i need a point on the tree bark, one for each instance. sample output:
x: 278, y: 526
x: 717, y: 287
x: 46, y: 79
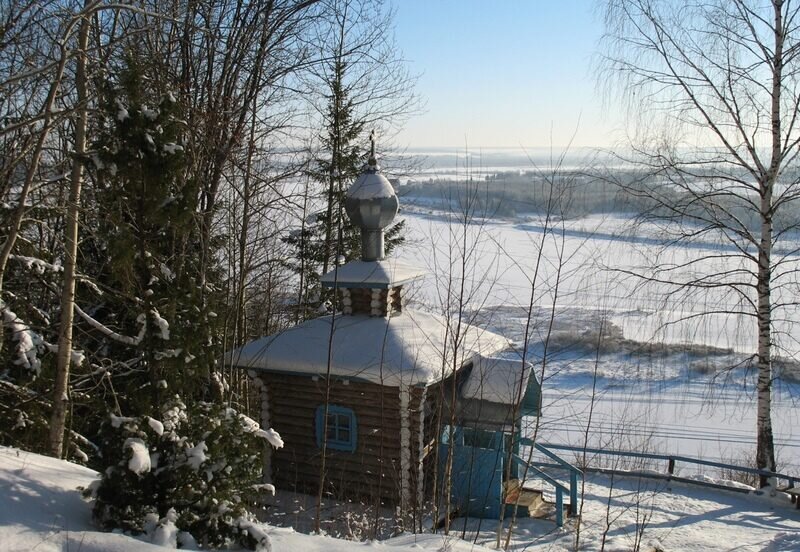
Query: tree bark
x: 60, y: 391
x: 765, y: 445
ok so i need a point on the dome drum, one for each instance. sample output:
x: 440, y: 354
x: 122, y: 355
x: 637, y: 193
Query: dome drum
x: 372, y: 216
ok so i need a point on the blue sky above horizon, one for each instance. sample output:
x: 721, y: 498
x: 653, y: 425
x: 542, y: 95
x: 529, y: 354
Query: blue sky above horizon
x: 505, y: 73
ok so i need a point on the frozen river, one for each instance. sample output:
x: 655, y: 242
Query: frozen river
x: 590, y: 266
x: 693, y: 404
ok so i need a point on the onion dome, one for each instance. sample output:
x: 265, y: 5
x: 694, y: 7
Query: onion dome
x: 371, y: 204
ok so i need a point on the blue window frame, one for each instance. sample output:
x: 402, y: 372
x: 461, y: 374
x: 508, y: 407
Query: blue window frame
x: 340, y: 427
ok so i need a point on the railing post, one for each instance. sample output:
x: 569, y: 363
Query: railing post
x: 573, y: 493
x: 559, y: 507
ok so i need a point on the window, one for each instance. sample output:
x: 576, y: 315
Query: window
x: 340, y: 428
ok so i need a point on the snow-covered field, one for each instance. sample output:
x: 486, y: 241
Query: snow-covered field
x: 41, y: 509
x: 695, y: 400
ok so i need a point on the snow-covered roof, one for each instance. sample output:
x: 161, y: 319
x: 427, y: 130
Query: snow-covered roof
x: 406, y: 349
x: 498, y: 380
x: 372, y: 274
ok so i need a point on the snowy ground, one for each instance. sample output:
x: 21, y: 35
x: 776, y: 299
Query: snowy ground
x: 659, y: 517
x: 41, y: 509
x: 693, y: 396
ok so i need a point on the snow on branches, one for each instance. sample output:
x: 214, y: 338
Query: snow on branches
x: 30, y: 343
x: 27, y: 340
x: 203, y: 463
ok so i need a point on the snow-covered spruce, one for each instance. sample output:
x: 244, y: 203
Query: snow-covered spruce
x: 192, y: 474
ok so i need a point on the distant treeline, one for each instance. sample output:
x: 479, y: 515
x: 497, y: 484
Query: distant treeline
x: 573, y: 194
x: 509, y: 194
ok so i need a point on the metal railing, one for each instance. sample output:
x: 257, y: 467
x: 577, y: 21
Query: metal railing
x: 573, y: 471
x: 560, y: 489
x: 671, y: 460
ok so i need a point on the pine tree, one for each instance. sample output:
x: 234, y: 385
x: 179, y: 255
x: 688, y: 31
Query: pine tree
x: 146, y: 249
x: 170, y: 458
x: 327, y: 236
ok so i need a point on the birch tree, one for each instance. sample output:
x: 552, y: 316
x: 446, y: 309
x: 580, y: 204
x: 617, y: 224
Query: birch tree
x: 718, y: 84
x: 60, y: 400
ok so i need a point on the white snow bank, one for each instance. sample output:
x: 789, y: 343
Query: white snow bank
x: 723, y: 482
x: 41, y: 509
x: 258, y: 532
x: 286, y: 539
x: 166, y: 533
x: 784, y: 542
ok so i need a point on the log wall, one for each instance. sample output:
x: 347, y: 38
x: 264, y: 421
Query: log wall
x: 372, y: 471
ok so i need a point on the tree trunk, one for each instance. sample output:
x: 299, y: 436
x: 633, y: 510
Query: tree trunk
x: 329, y: 212
x: 765, y: 446
x: 302, y: 297
x: 60, y: 397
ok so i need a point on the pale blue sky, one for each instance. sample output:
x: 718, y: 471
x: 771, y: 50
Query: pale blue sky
x: 503, y: 73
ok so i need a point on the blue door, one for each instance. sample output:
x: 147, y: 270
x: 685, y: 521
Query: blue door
x: 477, y: 474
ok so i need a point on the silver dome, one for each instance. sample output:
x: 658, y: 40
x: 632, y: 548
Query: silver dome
x: 371, y: 205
